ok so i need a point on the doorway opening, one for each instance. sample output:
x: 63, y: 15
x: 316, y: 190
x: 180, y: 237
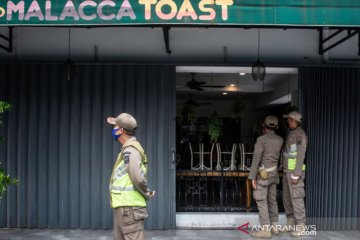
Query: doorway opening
x: 219, y: 114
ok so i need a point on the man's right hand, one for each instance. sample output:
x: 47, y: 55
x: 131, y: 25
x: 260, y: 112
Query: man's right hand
x: 150, y: 194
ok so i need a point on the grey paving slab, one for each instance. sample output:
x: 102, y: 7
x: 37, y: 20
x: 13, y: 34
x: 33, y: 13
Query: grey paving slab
x: 67, y: 234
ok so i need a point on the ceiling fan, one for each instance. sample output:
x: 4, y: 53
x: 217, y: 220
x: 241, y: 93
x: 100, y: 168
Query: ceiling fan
x: 199, y: 86
x: 194, y: 103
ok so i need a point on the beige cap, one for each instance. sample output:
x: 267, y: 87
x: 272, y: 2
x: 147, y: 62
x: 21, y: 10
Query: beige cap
x: 294, y: 115
x: 271, y: 121
x: 124, y: 120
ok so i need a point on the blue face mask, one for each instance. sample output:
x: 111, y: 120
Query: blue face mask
x: 113, y: 133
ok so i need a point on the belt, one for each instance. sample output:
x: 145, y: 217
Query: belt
x: 271, y: 169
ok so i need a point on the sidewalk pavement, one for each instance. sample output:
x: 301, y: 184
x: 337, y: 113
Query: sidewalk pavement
x: 69, y: 234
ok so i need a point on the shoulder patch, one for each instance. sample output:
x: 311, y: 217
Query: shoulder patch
x: 126, y: 157
x: 299, y: 140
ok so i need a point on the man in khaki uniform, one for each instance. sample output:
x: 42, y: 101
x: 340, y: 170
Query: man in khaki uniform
x: 265, y: 160
x: 294, y: 174
x: 128, y: 185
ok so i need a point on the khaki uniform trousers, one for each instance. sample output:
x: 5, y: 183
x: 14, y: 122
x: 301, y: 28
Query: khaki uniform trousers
x: 265, y: 197
x: 293, y: 197
x: 129, y: 223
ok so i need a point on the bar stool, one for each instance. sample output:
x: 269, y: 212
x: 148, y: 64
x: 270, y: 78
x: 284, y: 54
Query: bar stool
x: 220, y: 154
x: 201, y: 153
x: 243, y: 166
x: 210, y: 156
x: 192, y: 153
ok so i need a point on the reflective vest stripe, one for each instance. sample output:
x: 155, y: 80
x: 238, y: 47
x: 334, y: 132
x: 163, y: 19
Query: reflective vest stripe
x: 119, y: 172
x: 121, y: 188
x: 120, y: 175
x: 120, y: 168
x: 292, y: 164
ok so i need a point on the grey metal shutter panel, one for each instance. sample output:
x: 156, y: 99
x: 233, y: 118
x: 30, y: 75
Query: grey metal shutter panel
x: 330, y: 100
x: 59, y: 145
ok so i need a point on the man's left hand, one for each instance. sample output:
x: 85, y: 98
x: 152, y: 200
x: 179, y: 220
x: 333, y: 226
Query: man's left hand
x: 253, y: 183
x: 294, y: 179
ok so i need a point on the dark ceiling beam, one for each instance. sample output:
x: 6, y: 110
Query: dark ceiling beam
x: 9, y: 40
x: 322, y: 40
x: 166, y: 30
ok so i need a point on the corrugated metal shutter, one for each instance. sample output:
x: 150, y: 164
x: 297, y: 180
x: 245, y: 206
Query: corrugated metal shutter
x: 59, y: 145
x: 330, y: 100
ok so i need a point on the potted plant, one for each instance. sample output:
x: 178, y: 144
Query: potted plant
x: 215, y: 125
x: 188, y: 114
x: 5, y: 179
x: 237, y: 110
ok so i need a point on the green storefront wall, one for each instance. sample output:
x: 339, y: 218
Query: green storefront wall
x: 184, y: 12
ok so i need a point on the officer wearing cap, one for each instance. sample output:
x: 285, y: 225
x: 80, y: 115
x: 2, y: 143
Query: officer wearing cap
x: 264, y: 177
x: 294, y: 174
x: 128, y: 185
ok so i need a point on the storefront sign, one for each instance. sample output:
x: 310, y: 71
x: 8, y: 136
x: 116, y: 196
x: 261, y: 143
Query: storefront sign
x: 208, y: 12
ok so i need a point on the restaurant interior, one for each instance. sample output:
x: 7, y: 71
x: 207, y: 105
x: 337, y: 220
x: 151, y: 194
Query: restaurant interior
x: 219, y: 115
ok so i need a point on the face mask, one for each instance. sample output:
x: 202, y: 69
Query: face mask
x: 113, y: 133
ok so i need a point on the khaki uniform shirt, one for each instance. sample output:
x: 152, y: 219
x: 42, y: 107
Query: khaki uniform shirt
x: 266, y: 152
x: 296, y: 139
x: 133, y: 161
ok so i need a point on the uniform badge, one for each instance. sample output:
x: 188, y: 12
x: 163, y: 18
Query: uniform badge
x: 126, y: 157
x: 298, y: 140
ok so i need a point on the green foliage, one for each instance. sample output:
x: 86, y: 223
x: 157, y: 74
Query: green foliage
x: 4, y: 106
x: 5, y: 179
x: 237, y: 110
x: 188, y: 114
x: 215, y: 125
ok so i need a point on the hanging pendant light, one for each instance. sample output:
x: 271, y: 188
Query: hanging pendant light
x: 68, y: 68
x: 258, y: 68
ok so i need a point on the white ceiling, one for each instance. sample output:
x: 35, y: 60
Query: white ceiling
x: 230, y: 78
x: 237, y: 69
